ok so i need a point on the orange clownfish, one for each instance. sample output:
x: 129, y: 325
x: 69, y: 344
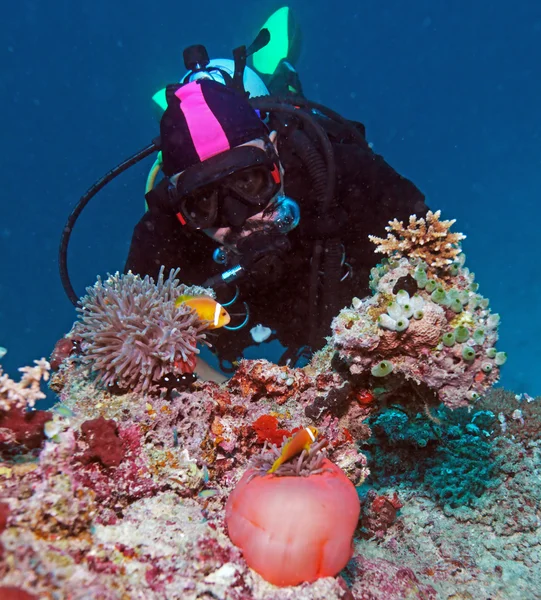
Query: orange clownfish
x: 302, y: 440
x: 207, y: 309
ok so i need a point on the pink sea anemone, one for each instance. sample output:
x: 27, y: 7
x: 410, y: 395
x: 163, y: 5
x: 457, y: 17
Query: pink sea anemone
x: 294, y: 529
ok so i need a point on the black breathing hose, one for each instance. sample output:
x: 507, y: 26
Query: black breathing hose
x: 263, y: 103
x: 324, y: 110
x: 85, y: 199
x: 324, y: 180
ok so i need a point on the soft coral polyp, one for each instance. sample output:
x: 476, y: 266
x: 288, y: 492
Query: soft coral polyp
x: 294, y: 529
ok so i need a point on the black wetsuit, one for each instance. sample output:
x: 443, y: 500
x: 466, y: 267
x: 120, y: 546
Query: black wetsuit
x: 369, y: 193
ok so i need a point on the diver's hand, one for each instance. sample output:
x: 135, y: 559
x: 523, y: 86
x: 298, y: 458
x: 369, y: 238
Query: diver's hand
x: 207, y: 373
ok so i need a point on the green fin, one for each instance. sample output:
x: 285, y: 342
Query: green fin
x: 160, y: 103
x: 266, y: 60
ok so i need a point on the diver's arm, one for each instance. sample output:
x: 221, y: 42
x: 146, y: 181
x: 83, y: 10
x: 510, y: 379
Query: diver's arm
x: 207, y: 373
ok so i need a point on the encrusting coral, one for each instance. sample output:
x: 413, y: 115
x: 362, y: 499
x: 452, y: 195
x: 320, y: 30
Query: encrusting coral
x: 132, y: 334
x: 427, y: 239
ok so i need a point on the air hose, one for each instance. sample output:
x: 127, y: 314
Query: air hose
x: 84, y: 200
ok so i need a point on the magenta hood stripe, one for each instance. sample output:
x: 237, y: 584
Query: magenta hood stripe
x: 206, y: 132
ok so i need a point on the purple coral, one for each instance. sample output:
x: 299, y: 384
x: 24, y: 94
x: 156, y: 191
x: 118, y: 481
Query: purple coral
x: 133, y: 334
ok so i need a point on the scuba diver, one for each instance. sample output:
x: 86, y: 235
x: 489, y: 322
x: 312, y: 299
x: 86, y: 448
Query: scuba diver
x: 266, y: 197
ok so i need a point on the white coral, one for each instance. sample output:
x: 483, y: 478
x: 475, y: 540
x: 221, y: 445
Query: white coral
x: 24, y: 393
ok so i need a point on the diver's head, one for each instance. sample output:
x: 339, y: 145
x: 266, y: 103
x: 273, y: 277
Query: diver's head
x: 222, y: 163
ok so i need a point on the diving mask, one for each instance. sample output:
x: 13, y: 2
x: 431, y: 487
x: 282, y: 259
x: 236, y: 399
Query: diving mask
x: 227, y: 189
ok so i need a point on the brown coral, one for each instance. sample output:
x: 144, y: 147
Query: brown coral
x: 427, y: 239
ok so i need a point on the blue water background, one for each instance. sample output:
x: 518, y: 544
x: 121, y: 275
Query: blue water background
x: 449, y: 93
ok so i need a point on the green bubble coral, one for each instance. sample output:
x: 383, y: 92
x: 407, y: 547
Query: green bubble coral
x: 461, y: 334
x: 431, y: 285
x: 456, y: 305
x: 402, y: 324
x: 382, y: 369
x: 439, y: 296
x: 500, y: 358
x: 493, y: 321
x: 449, y: 338
x: 420, y: 277
x: 468, y: 353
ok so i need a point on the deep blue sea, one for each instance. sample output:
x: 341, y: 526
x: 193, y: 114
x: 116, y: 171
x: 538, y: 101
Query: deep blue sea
x: 449, y: 93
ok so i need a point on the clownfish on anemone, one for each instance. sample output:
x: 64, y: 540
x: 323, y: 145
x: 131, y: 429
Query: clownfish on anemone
x: 302, y: 440
x: 207, y: 309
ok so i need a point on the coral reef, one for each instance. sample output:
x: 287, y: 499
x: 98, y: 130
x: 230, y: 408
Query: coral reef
x: 418, y: 338
x: 147, y: 516
x: 132, y: 486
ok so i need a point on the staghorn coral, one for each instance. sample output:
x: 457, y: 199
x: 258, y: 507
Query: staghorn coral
x: 133, y: 335
x: 427, y: 239
x: 22, y: 430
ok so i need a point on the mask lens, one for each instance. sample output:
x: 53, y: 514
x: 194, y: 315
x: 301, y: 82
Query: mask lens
x: 201, y: 208
x: 250, y: 184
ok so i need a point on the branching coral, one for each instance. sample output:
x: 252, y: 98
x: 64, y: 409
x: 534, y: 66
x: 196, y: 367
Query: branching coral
x: 427, y: 239
x: 132, y: 333
x: 23, y: 393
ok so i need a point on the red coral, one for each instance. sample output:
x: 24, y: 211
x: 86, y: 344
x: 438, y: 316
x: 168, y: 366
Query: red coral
x: 104, y: 445
x: 14, y: 593
x: 64, y: 348
x: 4, y: 514
x: 267, y: 430
x: 19, y: 427
x: 364, y: 397
x: 379, y: 513
x: 116, y: 488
